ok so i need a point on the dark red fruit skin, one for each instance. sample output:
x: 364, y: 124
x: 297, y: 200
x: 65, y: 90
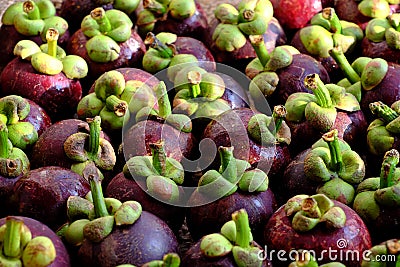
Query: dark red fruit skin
x: 38, y: 117
x: 124, y: 189
x: 42, y: 194
x: 137, y: 139
x: 291, y: 78
x: 351, y: 126
x: 294, y: 181
x: 6, y: 189
x: 149, y: 238
x: 293, y: 15
x: 56, y: 94
x: 39, y: 229
x: 196, y: 26
x: 379, y: 49
x: 274, y: 36
x: 209, y: 218
x: 194, y: 257
x: 387, y: 91
x: 131, y: 54
x: 230, y: 129
x: 279, y: 234
x: 386, y: 225
x: 49, y: 148
x: 196, y: 47
x: 9, y: 37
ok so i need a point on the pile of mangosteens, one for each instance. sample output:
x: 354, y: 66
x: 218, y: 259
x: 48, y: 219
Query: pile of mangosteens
x: 159, y: 133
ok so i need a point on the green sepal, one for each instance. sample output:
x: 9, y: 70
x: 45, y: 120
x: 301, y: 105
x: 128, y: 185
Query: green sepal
x: 317, y: 40
x: 339, y: 190
x: 342, y: 99
x: 79, y: 208
x: 247, y: 257
x: 128, y: 213
x: 379, y: 139
x: 162, y: 188
x: 46, y: 64
x: 89, y: 106
x: 316, y: 165
x: 102, y: 49
x: 253, y: 181
x: 322, y: 119
x: 266, y: 82
x: 22, y: 134
x: 376, y: 28
x: 112, y: 205
x: 74, y: 233
x: 373, y: 73
x: 10, y: 12
x: 353, y: 168
x: 296, y: 104
x: 366, y: 206
x: 214, y: 185
x: 99, y: 228
x: 280, y: 58
x: 228, y: 37
x: 25, y: 49
x: 215, y: 245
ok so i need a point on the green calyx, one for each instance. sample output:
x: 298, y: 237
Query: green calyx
x: 20, y: 249
x: 51, y: 59
x: 232, y: 174
x: 32, y: 18
x: 374, y: 9
x: 169, y: 260
x: 382, y: 131
x: 377, y: 192
x: 14, y: 109
x: 236, y: 24
x: 95, y: 219
x: 85, y: 148
x: 13, y: 161
x: 269, y: 130
x: 309, y: 211
x: 111, y: 97
x: 336, y: 167
x: 243, y: 250
x: 106, y: 29
x: 179, y: 121
x: 162, y: 174
x: 200, y: 95
x: 319, y: 108
x: 388, y: 192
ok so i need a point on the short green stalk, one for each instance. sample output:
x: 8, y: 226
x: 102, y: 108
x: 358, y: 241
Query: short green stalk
x: 243, y: 232
x: 278, y: 115
x: 334, y: 147
x: 314, y: 83
x: 194, y: 78
x: 12, y: 238
x: 91, y: 174
x: 330, y: 15
x: 4, y: 149
x: 257, y: 41
x: 390, y: 161
x: 159, y: 157
x: 99, y: 15
x: 348, y: 71
x: 94, y: 135
x: 52, y: 37
x: 164, y: 105
x: 383, y: 111
x: 164, y: 50
x: 228, y: 164
x: 31, y: 9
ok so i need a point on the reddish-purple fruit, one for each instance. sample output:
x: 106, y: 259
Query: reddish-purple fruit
x: 56, y: 94
x: 318, y: 225
x: 37, y: 228
x: 42, y: 194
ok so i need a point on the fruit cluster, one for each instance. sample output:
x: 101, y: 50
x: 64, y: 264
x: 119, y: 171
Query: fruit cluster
x: 147, y: 133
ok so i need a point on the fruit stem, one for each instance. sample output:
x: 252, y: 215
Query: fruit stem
x: 330, y: 15
x: 278, y: 115
x: 383, y: 111
x: 228, y: 164
x: 52, y: 37
x: 390, y: 161
x: 194, y: 78
x: 314, y: 83
x: 91, y: 173
x: 99, y: 15
x: 12, y: 237
x: 31, y: 9
x: 331, y: 138
x: 4, y: 149
x: 348, y: 71
x: 94, y: 135
x: 155, y: 43
x: 164, y: 106
x: 118, y: 106
x: 159, y: 157
x: 257, y: 41
x: 155, y: 7
x: 310, y: 208
x: 243, y: 232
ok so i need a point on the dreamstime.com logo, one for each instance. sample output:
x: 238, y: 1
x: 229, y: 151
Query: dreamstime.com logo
x: 340, y: 253
x: 237, y: 137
